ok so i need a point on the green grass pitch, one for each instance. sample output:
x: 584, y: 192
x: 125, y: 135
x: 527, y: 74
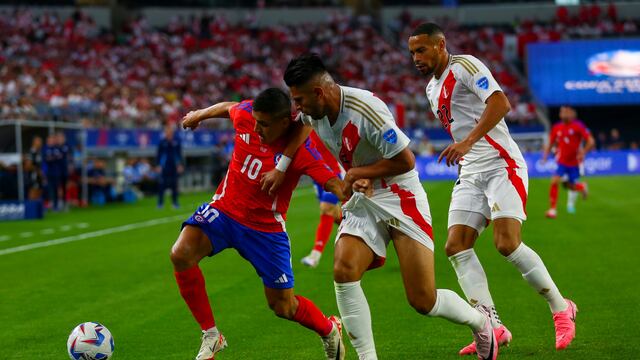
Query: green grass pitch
x: 125, y: 281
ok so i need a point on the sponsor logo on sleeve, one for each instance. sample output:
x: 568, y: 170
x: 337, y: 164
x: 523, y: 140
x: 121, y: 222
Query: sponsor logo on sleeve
x: 390, y: 136
x: 483, y: 83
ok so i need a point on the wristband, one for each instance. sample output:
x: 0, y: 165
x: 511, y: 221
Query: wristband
x: 283, y: 163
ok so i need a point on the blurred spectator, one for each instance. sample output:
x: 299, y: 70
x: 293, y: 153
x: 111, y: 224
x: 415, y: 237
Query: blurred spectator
x: 169, y: 165
x: 52, y: 156
x: 615, y: 141
x: 100, y: 185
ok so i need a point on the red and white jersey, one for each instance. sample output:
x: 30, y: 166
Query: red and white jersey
x: 458, y: 98
x: 240, y: 196
x: 568, y: 139
x: 364, y: 133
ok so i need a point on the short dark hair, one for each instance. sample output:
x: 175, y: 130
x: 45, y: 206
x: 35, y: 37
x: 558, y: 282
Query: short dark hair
x: 429, y: 29
x: 303, y: 68
x: 273, y: 101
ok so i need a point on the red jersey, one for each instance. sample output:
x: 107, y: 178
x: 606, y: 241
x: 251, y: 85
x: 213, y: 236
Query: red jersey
x: 568, y: 139
x: 326, y: 155
x: 239, y: 195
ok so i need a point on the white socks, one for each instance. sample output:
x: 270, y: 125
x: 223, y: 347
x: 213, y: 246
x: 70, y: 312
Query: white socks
x: 571, y: 198
x: 536, y: 274
x: 473, y: 281
x: 356, y: 317
x: 212, y: 331
x: 452, y: 307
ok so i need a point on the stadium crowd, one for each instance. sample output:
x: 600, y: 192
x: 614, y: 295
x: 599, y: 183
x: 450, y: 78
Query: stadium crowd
x: 71, y: 70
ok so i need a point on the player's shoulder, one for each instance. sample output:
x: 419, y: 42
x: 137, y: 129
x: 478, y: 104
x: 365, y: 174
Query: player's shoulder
x: 362, y: 97
x: 242, y: 112
x: 364, y: 107
x: 579, y: 124
x: 466, y: 65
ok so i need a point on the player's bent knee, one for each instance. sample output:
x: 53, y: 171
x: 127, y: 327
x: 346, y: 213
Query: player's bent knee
x: 506, y: 243
x: 282, y: 308
x: 423, y: 303
x: 344, y: 271
x: 453, y: 247
x: 188, y: 249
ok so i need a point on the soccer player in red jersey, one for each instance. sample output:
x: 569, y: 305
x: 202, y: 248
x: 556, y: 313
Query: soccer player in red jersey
x: 243, y: 217
x: 330, y: 211
x: 568, y: 136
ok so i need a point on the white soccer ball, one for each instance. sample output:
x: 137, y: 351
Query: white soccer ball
x: 90, y: 341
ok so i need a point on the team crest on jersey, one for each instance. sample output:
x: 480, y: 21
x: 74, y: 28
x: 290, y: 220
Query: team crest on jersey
x: 199, y: 218
x: 276, y: 158
x: 390, y: 136
x: 483, y: 83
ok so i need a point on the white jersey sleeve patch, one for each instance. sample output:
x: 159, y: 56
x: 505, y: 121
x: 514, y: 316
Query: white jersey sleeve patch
x: 476, y: 76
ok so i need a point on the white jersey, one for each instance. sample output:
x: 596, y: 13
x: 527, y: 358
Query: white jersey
x: 458, y: 98
x: 364, y: 133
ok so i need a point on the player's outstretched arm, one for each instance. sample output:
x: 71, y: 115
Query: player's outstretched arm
x: 219, y: 110
x: 271, y: 180
x: 497, y: 107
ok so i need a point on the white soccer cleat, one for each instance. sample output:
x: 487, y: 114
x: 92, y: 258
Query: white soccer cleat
x: 212, y: 343
x: 312, y: 260
x: 333, y: 344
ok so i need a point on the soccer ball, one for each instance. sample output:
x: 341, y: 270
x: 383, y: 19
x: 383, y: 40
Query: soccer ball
x: 90, y: 341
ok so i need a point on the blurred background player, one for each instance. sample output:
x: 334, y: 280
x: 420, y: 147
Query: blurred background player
x: 52, y: 169
x: 568, y: 137
x: 493, y: 180
x: 243, y: 217
x: 169, y: 165
x: 63, y: 161
x: 330, y: 211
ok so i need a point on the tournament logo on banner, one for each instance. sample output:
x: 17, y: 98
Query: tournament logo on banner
x: 585, y: 72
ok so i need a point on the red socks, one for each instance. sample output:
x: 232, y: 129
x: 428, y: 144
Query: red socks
x: 323, y: 232
x: 194, y: 293
x: 553, y: 195
x: 309, y: 316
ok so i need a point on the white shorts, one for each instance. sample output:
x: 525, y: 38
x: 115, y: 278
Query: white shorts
x: 499, y: 193
x: 404, y: 207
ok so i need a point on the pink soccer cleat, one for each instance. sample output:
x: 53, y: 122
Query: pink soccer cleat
x: 551, y: 213
x: 565, y: 323
x: 503, y: 336
x: 485, y: 339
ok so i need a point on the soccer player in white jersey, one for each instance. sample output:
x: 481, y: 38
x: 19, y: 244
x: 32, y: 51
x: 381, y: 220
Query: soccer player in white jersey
x: 360, y: 132
x: 493, y: 180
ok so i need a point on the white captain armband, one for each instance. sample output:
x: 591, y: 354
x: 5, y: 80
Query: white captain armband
x: 283, y: 163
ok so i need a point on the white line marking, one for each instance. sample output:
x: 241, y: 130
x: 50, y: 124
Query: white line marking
x: 65, y: 227
x: 5, y: 238
x: 93, y: 234
x: 47, y: 231
x: 82, y: 225
x: 26, y: 234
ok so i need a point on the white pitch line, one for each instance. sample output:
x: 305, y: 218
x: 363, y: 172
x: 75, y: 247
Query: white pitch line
x: 93, y: 234
x: 47, y: 231
x: 26, y: 234
x: 82, y: 225
x: 65, y: 227
x: 5, y: 238
x: 117, y: 229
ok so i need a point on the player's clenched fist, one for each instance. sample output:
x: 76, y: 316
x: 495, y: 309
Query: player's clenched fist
x: 191, y: 120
